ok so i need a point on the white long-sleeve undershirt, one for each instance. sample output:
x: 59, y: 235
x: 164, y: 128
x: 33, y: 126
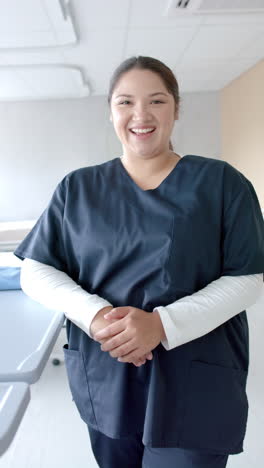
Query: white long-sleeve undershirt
x: 184, y: 320
x: 193, y: 316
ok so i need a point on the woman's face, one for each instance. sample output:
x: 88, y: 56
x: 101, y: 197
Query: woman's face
x: 141, y: 101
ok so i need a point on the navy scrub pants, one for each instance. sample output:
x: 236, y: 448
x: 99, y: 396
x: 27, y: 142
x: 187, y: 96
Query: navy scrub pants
x: 130, y: 452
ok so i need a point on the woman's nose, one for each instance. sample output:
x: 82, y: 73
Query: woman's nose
x: 141, y: 110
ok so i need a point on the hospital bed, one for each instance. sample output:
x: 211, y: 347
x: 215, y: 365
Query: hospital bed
x: 11, y: 234
x: 29, y: 333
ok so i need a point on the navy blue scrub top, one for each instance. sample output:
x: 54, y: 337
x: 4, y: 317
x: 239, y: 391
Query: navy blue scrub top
x: 146, y: 248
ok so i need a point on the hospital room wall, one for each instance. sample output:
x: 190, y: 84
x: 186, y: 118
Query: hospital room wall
x: 242, y: 125
x: 41, y: 141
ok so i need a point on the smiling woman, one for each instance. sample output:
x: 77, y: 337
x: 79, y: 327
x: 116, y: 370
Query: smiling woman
x: 159, y: 79
x: 142, y: 119
x: 143, y: 108
x: 158, y: 239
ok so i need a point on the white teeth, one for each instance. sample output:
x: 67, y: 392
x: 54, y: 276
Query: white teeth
x: 142, y: 130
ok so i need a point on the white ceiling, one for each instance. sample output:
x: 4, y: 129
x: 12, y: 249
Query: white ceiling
x: 35, y: 22
x: 90, y: 38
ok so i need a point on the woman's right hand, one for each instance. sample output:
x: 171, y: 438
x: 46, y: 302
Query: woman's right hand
x: 99, y: 322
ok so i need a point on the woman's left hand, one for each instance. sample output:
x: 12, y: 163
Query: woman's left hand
x: 135, y: 334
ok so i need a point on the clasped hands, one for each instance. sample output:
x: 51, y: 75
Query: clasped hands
x: 131, y: 335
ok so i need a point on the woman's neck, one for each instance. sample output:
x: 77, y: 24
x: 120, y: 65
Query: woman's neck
x: 151, y: 167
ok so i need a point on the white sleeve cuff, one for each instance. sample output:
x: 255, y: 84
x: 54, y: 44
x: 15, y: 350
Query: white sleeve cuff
x: 195, y: 315
x: 56, y: 290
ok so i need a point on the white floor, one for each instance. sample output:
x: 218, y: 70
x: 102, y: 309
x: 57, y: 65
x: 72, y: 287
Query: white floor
x: 52, y: 434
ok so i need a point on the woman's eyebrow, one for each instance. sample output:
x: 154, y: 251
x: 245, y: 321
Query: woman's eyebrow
x: 150, y: 95
x: 155, y: 94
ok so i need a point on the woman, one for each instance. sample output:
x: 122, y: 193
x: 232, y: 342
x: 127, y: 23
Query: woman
x: 173, y: 249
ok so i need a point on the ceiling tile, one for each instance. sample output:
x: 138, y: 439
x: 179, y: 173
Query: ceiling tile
x: 254, y: 49
x: 220, y: 42
x: 199, y: 78
x: 100, y: 14
x: 152, y: 13
x: 17, y: 15
x: 230, y: 70
x: 213, y: 74
x: 164, y: 44
x: 235, y: 19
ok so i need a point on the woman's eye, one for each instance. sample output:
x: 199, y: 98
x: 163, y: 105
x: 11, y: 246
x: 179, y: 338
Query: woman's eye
x: 126, y: 102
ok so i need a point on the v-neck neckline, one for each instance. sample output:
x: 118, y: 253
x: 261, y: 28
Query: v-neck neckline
x: 156, y: 188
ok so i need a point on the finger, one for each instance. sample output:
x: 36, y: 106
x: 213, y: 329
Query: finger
x: 132, y: 356
x: 117, y: 312
x: 104, y: 340
x: 109, y: 331
x: 138, y: 363
x: 125, y: 350
x: 116, y: 341
x: 145, y: 357
x: 149, y: 356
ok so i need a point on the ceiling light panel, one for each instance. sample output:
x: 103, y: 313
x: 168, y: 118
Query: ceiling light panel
x: 35, y: 23
x: 41, y: 82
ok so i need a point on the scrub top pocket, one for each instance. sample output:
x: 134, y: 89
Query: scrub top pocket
x: 216, y: 408
x: 79, y: 384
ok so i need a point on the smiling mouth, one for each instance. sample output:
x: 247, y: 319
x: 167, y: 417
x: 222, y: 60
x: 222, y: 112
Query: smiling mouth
x: 142, y: 135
